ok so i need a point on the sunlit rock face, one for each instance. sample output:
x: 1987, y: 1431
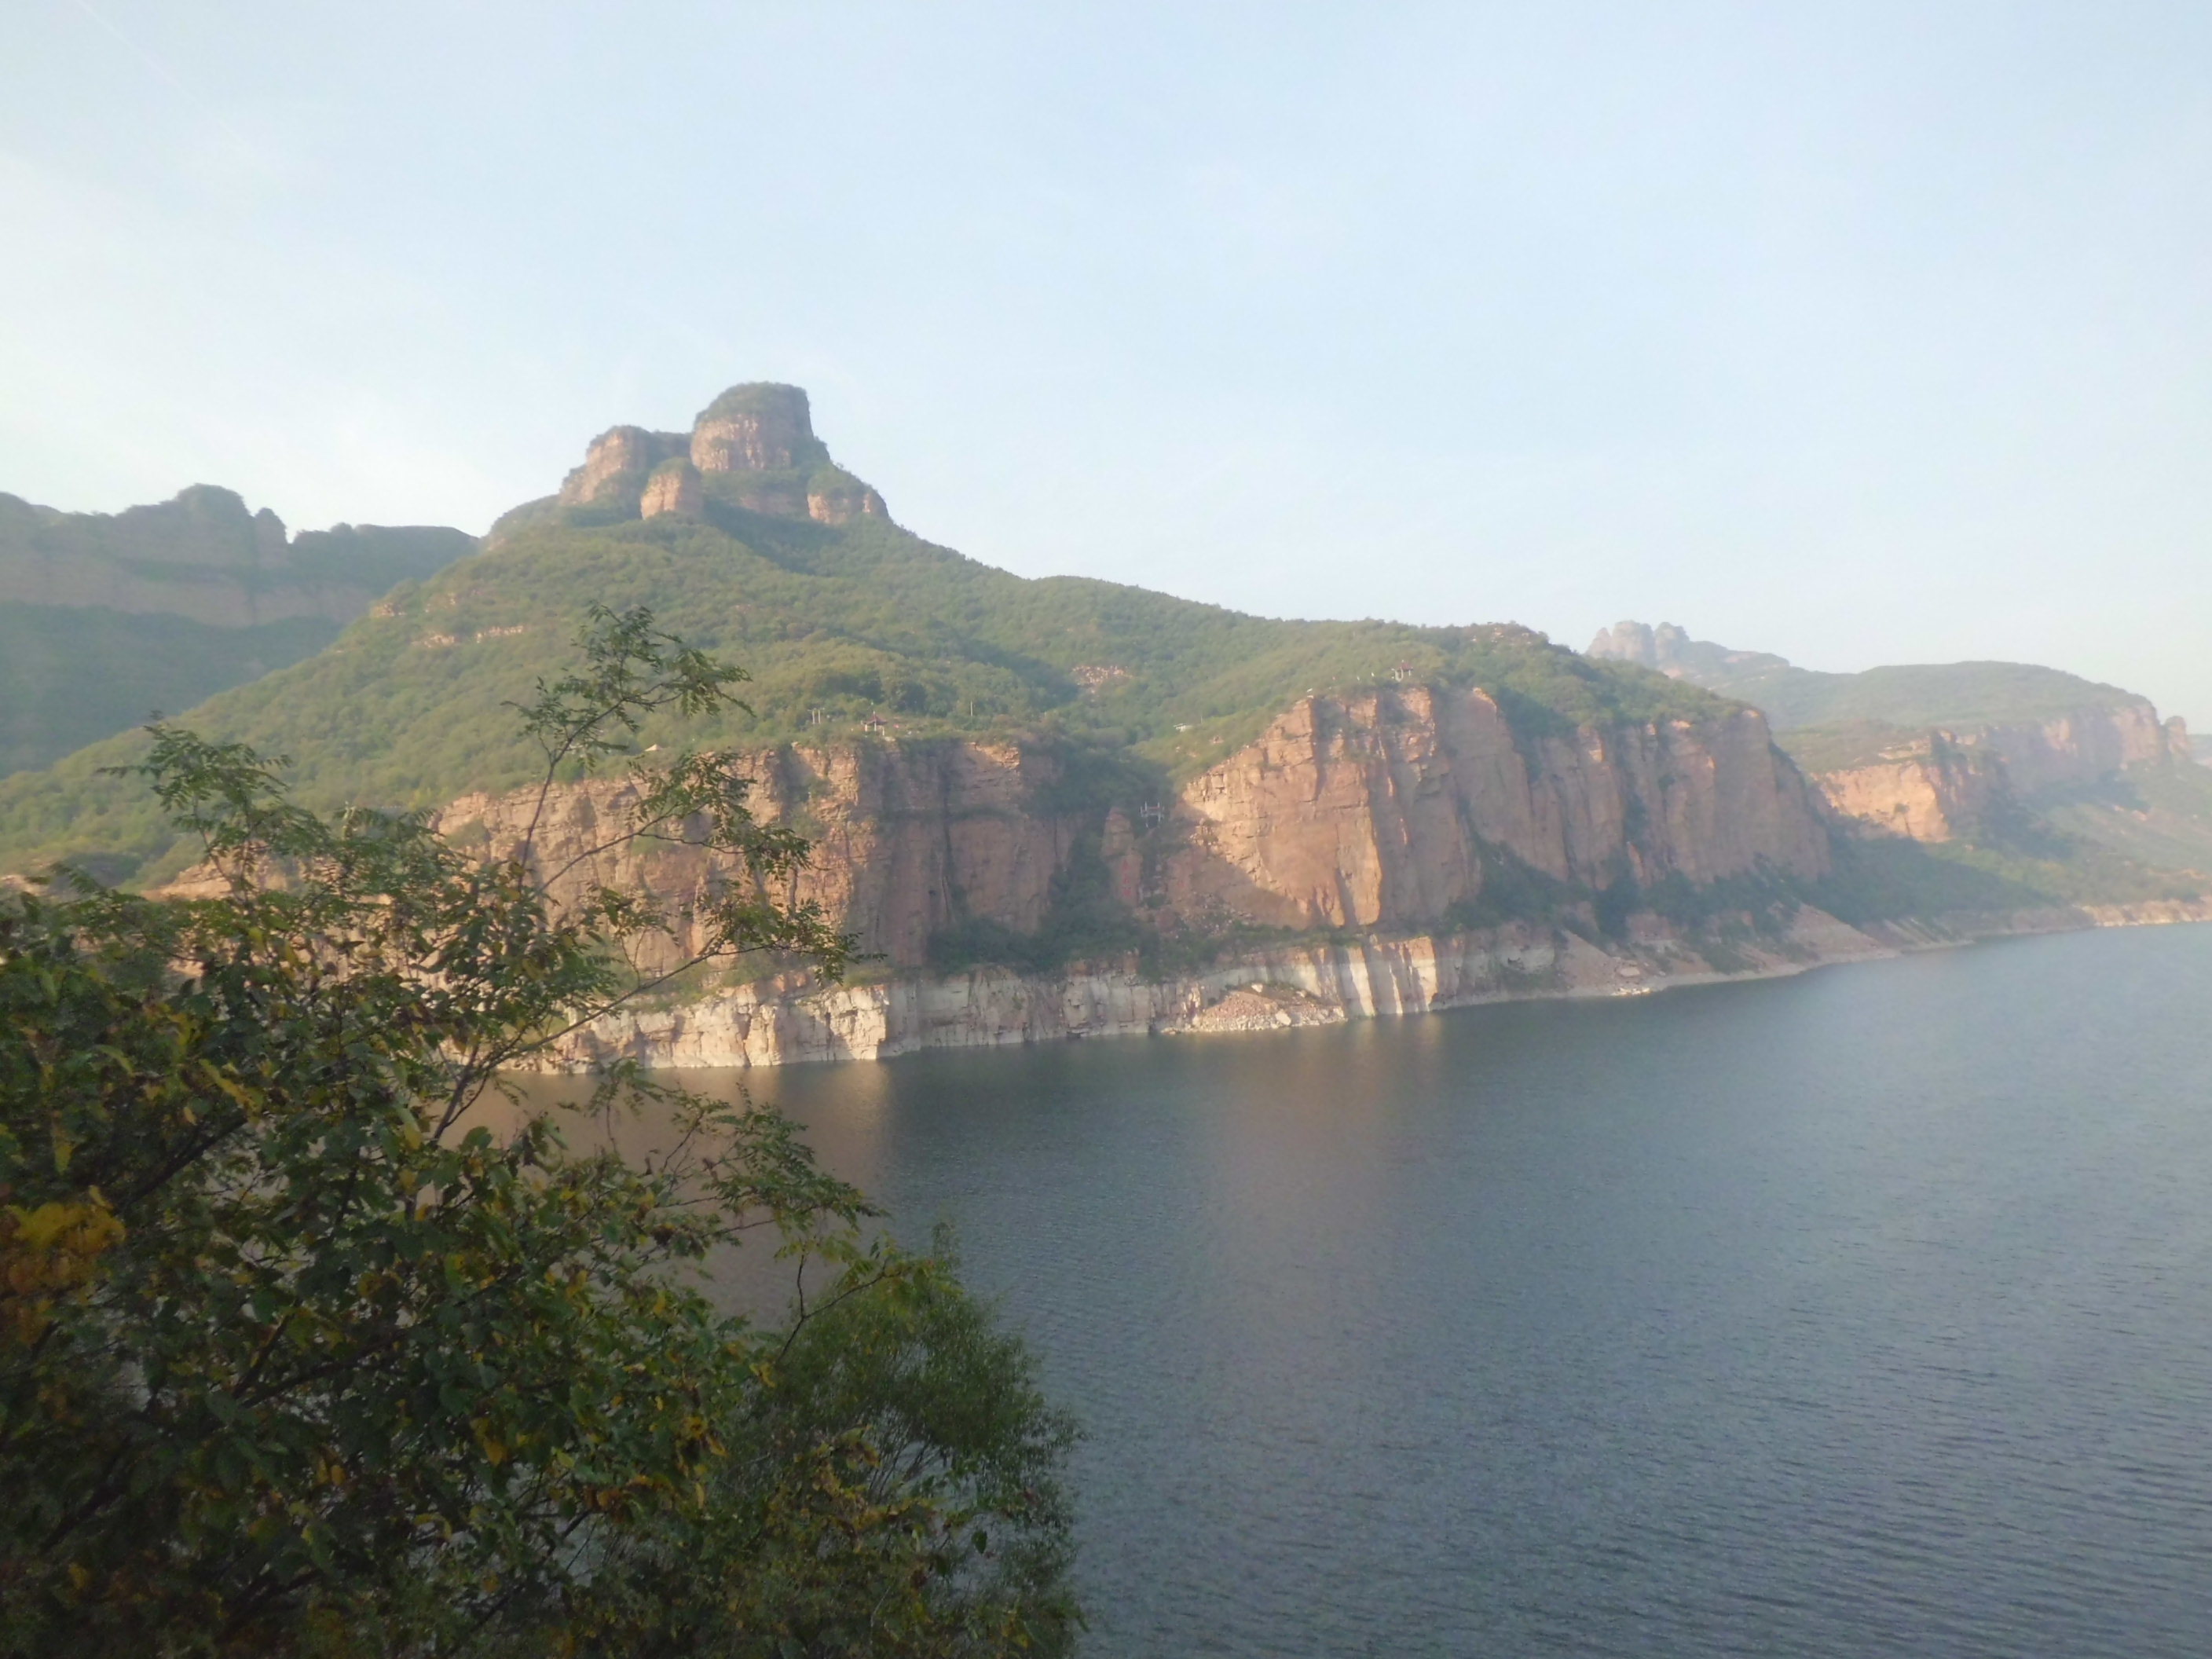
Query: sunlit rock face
x: 1933, y: 790
x: 761, y: 427
x: 1388, y: 808
x: 1949, y: 785
x: 619, y: 462
x: 1384, y: 810
x: 673, y: 488
x: 753, y: 448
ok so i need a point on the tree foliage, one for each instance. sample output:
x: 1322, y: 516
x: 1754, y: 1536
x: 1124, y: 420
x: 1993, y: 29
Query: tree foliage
x: 299, y: 1355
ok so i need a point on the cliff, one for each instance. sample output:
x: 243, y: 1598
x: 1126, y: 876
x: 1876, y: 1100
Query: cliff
x: 204, y: 557
x: 1006, y: 776
x: 1388, y: 808
x: 787, y: 1019
x: 1934, y: 789
x: 1962, y: 751
x: 106, y: 617
x: 1392, y: 813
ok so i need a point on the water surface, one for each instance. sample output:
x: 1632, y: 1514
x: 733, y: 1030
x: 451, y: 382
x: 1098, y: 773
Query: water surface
x: 1868, y: 1312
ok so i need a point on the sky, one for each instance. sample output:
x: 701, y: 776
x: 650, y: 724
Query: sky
x: 1862, y: 333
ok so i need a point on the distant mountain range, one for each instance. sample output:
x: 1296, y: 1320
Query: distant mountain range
x: 1003, y: 775
x: 106, y: 617
x: 1991, y: 754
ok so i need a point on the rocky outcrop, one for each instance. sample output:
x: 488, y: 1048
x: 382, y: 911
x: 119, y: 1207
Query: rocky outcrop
x: 1947, y: 786
x: 673, y: 488
x: 617, y: 463
x: 1936, y: 790
x: 1669, y: 650
x: 835, y: 496
x: 2085, y: 746
x: 753, y: 448
x: 909, y: 839
x: 1386, y: 810
x: 761, y: 427
x: 1932, y: 751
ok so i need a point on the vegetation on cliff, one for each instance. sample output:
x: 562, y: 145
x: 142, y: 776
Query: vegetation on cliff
x: 300, y: 1355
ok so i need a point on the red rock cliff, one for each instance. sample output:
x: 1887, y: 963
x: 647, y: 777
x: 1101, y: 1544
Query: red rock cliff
x: 1382, y: 810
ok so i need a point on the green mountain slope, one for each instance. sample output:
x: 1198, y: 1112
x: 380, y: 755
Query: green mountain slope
x: 105, y: 617
x: 841, y: 624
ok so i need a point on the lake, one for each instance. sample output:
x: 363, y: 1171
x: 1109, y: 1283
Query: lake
x: 1866, y: 1312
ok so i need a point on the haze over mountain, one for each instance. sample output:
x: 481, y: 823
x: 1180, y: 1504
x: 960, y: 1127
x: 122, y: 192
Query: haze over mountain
x: 106, y: 618
x: 1867, y: 333
x: 1992, y: 751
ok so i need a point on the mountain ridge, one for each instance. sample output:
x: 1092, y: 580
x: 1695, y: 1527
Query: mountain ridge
x: 1993, y: 754
x: 1008, y: 775
x: 850, y: 626
x: 105, y: 617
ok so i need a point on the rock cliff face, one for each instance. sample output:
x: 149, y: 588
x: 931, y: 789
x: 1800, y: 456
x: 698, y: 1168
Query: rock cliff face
x: 673, y: 488
x: 780, y: 1022
x: 1382, y: 811
x: 617, y: 462
x: 755, y: 429
x: 1936, y: 789
x: 836, y: 497
x: 908, y: 839
x: 1945, y: 785
x: 1386, y: 809
x: 2081, y: 747
x: 1934, y: 752
x: 205, y: 557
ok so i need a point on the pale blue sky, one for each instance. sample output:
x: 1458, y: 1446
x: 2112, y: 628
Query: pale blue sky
x: 1863, y: 333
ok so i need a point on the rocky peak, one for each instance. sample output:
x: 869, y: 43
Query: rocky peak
x: 1671, y: 651
x: 836, y: 496
x: 753, y: 448
x: 617, y: 462
x: 1637, y: 642
x: 758, y: 427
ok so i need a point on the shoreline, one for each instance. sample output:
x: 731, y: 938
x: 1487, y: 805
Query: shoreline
x: 791, y: 1021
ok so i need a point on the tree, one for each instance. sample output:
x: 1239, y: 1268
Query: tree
x: 297, y: 1356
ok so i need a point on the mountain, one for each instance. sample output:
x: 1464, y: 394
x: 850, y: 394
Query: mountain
x: 106, y: 616
x: 1059, y: 805
x: 2004, y: 756
x: 752, y: 542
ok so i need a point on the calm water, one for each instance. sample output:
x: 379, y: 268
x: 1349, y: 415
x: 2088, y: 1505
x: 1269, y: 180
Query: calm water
x: 1864, y: 1313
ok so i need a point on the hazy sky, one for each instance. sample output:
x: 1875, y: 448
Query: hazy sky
x: 1863, y: 333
